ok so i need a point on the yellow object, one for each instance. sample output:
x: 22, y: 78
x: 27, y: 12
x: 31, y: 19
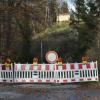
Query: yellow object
x: 7, y: 63
x: 84, y: 62
x: 85, y: 59
x: 59, y: 62
x: 35, y: 60
x: 35, y: 63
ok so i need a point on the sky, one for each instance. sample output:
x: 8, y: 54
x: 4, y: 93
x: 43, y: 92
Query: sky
x: 70, y: 4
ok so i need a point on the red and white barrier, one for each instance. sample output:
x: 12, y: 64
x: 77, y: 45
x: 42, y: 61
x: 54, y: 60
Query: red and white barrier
x: 6, y: 73
x: 49, y: 73
x: 53, y: 73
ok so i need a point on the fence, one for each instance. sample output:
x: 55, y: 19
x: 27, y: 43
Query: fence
x: 49, y: 73
x: 6, y: 73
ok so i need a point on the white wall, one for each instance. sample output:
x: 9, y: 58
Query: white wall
x: 63, y: 17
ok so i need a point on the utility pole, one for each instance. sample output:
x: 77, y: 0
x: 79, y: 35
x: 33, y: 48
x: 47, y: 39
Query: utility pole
x: 41, y: 52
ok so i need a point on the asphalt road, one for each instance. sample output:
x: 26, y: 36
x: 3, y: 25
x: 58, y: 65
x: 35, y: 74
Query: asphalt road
x: 48, y: 92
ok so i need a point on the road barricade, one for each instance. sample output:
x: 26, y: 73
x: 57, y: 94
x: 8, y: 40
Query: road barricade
x: 6, y: 73
x: 54, y: 73
x: 49, y: 73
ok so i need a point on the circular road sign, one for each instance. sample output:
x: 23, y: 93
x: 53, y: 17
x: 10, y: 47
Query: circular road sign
x: 51, y: 56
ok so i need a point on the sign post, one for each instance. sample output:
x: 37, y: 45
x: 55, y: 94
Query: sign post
x: 41, y: 52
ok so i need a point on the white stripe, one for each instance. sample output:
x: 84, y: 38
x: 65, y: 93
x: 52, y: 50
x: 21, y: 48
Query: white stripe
x: 43, y: 66
x: 68, y: 66
x: 51, y: 66
x: 84, y: 66
x: 18, y: 66
x: 35, y: 67
x: 27, y: 66
x: 59, y: 67
x: 92, y: 65
x: 76, y: 66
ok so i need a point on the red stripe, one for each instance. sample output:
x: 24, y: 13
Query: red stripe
x: 94, y: 65
x: 39, y: 81
x: 64, y: 66
x: 89, y: 79
x: 39, y: 67
x: 72, y: 66
x: 47, y: 67
x: 81, y: 79
x: 31, y: 67
x: 87, y: 66
x: 72, y: 79
x: 32, y: 81
x: 96, y: 78
x: 23, y: 67
x: 54, y: 81
x: 56, y: 67
x: 47, y: 81
x: 57, y: 80
x: 80, y: 66
x: 64, y: 81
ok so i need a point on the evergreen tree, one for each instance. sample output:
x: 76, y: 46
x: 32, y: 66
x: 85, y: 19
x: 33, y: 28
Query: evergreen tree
x: 64, y: 8
x: 53, y: 8
x: 85, y: 21
x: 22, y: 18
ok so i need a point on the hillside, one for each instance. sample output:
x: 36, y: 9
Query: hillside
x: 56, y: 29
x: 59, y: 37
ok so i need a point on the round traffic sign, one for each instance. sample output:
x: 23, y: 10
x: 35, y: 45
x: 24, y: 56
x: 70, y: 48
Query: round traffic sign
x: 51, y: 56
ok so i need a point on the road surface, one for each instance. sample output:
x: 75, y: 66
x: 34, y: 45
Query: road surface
x: 48, y: 92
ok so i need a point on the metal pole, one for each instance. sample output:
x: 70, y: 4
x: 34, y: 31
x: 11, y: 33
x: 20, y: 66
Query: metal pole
x: 41, y: 52
x: 13, y: 66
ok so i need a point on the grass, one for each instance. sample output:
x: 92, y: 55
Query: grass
x: 56, y: 28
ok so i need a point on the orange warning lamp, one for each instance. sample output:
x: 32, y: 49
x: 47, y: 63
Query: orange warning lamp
x: 59, y: 60
x: 8, y: 62
x: 85, y: 59
x: 35, y: 60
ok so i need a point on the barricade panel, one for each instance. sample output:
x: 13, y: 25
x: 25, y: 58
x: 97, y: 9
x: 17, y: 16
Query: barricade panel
x: 49, y: 73
x: 6, y: 73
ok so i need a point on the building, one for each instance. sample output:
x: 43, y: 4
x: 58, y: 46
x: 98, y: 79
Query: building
x: 63, y: 17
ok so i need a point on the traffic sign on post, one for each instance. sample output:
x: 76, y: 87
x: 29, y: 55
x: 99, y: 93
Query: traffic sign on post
x: 51, y: 57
